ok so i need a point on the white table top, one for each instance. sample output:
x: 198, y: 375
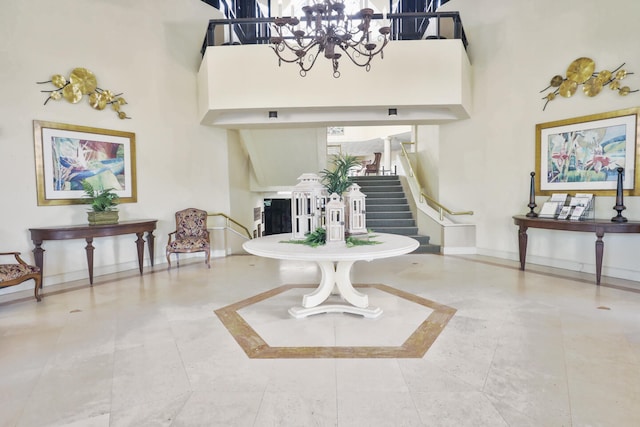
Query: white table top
x: 272, y: 247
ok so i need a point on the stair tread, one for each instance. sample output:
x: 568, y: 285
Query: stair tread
x: 391, y: 222
x: 389, y: 215
x: 388, y: 210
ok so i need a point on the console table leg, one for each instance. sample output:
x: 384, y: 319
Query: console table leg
x: 140, y: 245
x: 151, y: 245
x: 38, y: 254
x: 522, y: 245
x: 599, y: 253
x: 89, y: 248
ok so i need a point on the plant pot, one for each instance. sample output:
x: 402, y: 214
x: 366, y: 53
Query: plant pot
x: 101, y: 218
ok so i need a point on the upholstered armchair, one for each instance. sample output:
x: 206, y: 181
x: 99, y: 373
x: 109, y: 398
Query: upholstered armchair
x: 190, y: 235
x: 375, y: 166
x: 18, y: 272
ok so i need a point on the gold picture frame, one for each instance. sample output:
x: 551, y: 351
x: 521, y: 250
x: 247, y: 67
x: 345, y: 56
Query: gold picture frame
x: 583, y: 154
x: 67, y: 154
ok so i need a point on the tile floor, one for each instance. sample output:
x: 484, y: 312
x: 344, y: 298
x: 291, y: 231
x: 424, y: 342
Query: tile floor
x: 540, y: 348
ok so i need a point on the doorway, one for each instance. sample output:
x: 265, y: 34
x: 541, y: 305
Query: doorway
x: 277, y: 216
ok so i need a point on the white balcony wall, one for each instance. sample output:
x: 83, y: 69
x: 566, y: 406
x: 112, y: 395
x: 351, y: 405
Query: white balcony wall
x: 428, y: 81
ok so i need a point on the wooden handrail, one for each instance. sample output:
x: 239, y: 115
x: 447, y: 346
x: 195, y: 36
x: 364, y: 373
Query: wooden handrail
x: 441, y: 209
x: 229, y: 219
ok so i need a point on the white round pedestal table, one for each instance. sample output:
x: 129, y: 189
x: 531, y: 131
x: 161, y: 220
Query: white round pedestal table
x: 335, y: 261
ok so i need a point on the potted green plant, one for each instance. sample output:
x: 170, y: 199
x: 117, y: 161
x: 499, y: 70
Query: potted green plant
x: 103, y: 204
x: 337, y: 180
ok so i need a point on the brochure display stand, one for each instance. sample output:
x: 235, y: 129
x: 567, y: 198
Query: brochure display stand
x: 574, y: 208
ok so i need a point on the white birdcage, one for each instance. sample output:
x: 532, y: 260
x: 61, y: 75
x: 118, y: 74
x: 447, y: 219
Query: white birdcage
x: 308, y: 199
x: 335, y: 219
x: 356, y: 220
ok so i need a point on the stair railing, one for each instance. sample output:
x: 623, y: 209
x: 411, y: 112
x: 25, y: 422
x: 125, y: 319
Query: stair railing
x: 260, y: 27
x: 228, y: 224
x: 430, y: 200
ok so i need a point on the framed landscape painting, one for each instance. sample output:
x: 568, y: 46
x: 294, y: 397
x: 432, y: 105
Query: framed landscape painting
x: 67, y: 154
x: 583, y: 154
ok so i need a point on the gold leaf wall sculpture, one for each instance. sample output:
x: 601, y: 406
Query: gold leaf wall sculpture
x: 583, y: 72
x: 83, y: 82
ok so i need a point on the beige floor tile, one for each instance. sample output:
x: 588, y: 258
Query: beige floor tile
x: 70, y: 391
x: 157, y: 413
x: 296, y: 408
x: 364, y: 375
x: 541, y: 347
x: 457, y: 409
x: 377, y: 408
x: 147, y: 373
x: 219, y: 409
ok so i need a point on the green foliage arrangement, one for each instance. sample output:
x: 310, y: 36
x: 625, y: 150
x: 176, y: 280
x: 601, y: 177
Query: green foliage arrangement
x: 352, y: 241
x: 337, y: 180
x: 101, y: 200
x: 319, y: 238
x: 314, y: 239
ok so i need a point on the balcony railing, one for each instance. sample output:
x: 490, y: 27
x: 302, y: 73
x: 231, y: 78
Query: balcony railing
x: 404, y: 26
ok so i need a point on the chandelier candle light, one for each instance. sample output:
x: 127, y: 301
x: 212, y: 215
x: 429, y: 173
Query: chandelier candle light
x: 332, y: 32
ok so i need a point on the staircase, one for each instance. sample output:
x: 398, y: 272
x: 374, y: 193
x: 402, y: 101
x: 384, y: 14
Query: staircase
x: 388, y: 211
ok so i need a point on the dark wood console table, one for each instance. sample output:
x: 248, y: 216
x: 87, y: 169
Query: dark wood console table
x: 598, y: 226
x: 88, y: 232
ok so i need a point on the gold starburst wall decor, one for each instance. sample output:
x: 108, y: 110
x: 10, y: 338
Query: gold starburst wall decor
x: 583, y: 72
x: 83, y: 82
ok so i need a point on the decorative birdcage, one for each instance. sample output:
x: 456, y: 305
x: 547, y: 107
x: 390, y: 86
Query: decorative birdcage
x: 356, y: 220
x: 308, y: 200
x: 335, y: 219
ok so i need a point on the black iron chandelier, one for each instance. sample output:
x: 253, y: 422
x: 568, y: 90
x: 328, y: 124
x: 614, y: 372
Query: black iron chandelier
x: 329, y: 32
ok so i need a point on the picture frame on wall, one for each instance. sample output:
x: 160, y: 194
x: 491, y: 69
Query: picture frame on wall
x: 582, y: 154
x: 65, y: 155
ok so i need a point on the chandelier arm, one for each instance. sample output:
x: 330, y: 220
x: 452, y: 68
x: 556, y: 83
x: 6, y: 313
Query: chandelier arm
x: 313, y: 61
x: 295, y: 48
x: 368, y: 52
x: 374, y: 52
x: 354, y: 60
x: 354, y: 54
x: 284, y: 59
x: 290, y: 45
x: 282, y: 46
x: 278, y: 50
x: 352, y: 40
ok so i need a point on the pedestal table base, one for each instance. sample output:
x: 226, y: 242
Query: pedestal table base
x: 335, y: 279
x: 369, y: 312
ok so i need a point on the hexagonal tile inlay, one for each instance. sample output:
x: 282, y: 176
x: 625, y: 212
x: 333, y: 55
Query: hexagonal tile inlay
x: 415, y: 346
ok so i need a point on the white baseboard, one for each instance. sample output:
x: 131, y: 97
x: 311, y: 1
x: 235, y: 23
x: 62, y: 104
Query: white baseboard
x: 460, y: 250
x: 582, y: 267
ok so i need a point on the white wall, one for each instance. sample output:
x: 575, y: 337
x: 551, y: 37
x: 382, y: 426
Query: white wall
x: 243, y: 201
x: 148, y: 49
x: 428, y: 164
x: 280, y: 156
x: 515, y: 48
